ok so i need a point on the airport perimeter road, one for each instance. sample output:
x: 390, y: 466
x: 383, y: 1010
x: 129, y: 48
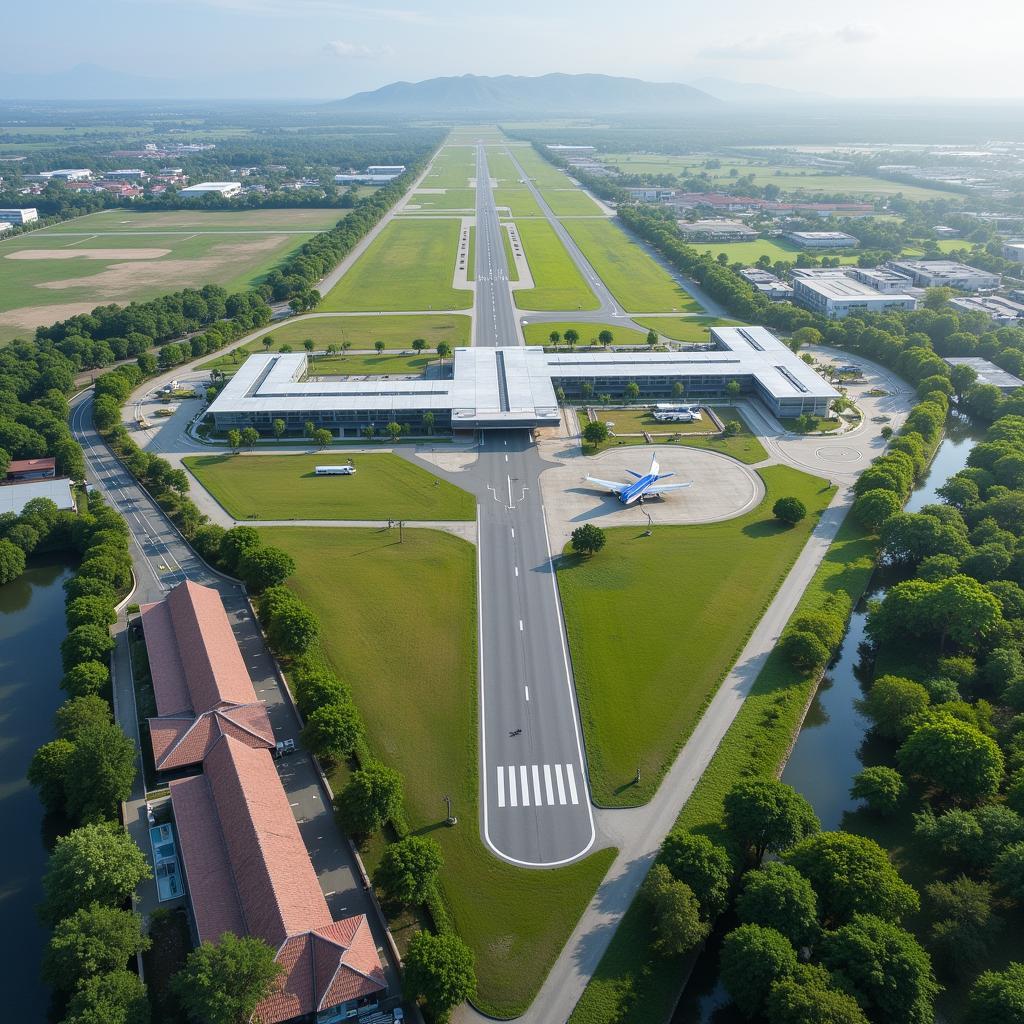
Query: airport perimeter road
x: 495, y: 316
x: 162, y: 559
x: 535, y: 801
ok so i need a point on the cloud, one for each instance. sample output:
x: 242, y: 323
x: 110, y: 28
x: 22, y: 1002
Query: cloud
x: 791, y: 44
x: 357, y: 51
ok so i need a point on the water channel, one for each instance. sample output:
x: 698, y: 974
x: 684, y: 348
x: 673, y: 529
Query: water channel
x: 31, y: 629
x: 828, y: 750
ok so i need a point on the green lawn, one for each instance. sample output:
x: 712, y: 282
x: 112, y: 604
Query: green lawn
x: 559, y: 284
x: 684, y: 328
x: 544, y: 175
x: 632, y: 984
x: 453, y: 166
x: 570, y: 202
x: 500, y: 166
x: 624, y: 266
x: 636, y: 421
x: 749, y: 252
x: 513, y: 271
x: 461, y: 199
x: 537, y: 333
x: 520, y: 202
x: 418, y: 701
x: 385, y: 486
x: 360, y: 363
x: 408, y: 266
x: 744, y: 447
x: 644, y: 678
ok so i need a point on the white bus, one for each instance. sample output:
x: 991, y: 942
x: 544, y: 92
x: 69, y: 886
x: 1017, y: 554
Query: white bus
x: 335, y: 470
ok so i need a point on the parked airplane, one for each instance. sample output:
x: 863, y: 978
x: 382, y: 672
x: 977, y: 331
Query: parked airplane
x: 642, y: 487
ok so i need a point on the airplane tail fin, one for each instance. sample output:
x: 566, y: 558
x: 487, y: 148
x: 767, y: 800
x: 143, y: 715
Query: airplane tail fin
x: 654, y: 465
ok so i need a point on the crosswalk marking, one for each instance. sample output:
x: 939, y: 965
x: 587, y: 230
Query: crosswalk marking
x: 521, y: 786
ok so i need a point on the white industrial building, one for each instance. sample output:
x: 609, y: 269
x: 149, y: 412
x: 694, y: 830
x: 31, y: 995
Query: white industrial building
x: 16, y: 216
x: 1011, y: 250
x: 717, y: 230
x: 995, y: 307
x: 835, y: 295
x: 125, y: 174
x: 220, y: 188
x: 882, y: 280
x: 15, y: 496
x: 375, y: 174
x: 988, y: 372
x: 821, y: 239
x: 770, y: 286
x: 558, y: 147
x: 946, y: 273
x: 62, y: 174
x: 509, y: 387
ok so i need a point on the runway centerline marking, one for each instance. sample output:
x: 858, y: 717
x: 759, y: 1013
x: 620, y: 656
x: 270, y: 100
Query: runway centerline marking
x: 527, y: 689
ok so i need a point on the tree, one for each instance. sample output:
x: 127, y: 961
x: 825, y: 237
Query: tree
x: 789, y: 510
x: 86, y: 643
x: 873, y: 508
x: 407, y: 872
x: 733, y: 389
x: 234, y: 439
x: 804, y: 336
x: 631, y: 391
x: 235, y: 543
x: 894, y: 704
x: 309, y: 429
x: 808, y: 996
x: 268, y: 342
x: 884, y: 967
x: 91, y: 941
x: 394, y: 430
x: 278, y: 427
x: 702, y: 865
x: 224, y: 984
x: 332, y: 731
x: 954, y: 757
x: 90, y: 609
x: 293, y: 629
x: 96, y: 863
x: 117, y: 997
x: 605, y: 337
x: 307, y: 344
x: 731, y: 428
x: 372, y: 797
x: 439, y: 970
x: 418, y: 344
x: 379, y: 346
x: 677, y: 922
x: 880, y: 788
x: 963, y: 925
x: 778, y: 896
x: 764, y: 814
x: 851, y: 874
x: 652, y: 338
x: 101, y: 770
x: 554, y: 337
x: 571, y: 337
x: 265, y: 566
x: 47, y: 772
x: 444, y: 350
x: 1008, y: 871
x: 754, y: 958
x: 78, y: 713
x: 595, y: 432
x: 249, y: 437
x: 938, y: 297
x: 587, y: 539
x: 997, y: 997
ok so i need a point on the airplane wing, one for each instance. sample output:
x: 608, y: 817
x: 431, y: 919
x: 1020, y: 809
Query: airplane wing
x: 610, y: 485
x: 664, y: 488
x: 633, y: 472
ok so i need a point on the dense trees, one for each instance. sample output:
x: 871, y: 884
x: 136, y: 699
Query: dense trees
x: 676, y: 911
x: 439, y: 970
x: 93, y: 940
x: 778, y: 896
x: 408, y: 869
x: 700, y: 864
x: 754, y: 959
x: 372, y: 796
x: 765, y: 815
x: 954, y: 757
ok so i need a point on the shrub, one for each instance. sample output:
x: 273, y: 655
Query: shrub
x: 789, y: 510
x: 880, y: 788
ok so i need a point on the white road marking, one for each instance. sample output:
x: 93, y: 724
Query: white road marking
x: 517, y: 571
x: 513, y: 532
x: 571, y: 775
x: 513, y: 801
x: 547, y: 784
x: 501, y: 786
x: 524, y: 785
x: 536, y: 786
x: 559, y: 783
x: 527, y: 689
x: 520, y: 625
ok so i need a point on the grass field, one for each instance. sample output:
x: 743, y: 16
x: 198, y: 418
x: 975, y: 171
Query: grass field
x: 408, y: 266
x: 643, y: 680
x: 538, y: 333
x: 500, y: 166
x: 462, y: 200
x: 636, y: 421
x: 385, y: 486
x: 570, y: 202
x: 631, y: 275
x: 559, y: 285
x: 120, y: 256
x: 520, y: 201
x: 348, y: 365
x: 748, y: 252
x: 453, y: 166
x: 632, y: 984
x: 684, y: 328
x: 544, y: 175
x: 510, y: 262
x: 418, y: 700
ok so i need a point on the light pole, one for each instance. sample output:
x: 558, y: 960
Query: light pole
x: 451, y: 819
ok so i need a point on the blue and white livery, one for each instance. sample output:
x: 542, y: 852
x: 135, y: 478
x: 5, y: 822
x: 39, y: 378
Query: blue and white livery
x: 642, y: 487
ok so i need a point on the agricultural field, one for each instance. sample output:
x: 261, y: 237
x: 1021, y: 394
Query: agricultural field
x: 559, y: 284
x: 570, y: 202
x: 694, y: 329
x: 520, y: 202
x: 539, y: 333
x: 385, y: 486
x: 624, y: 266
x: 421, y: 717
x: 121, y: 256
x: 461, y: 200
x: 408, y: 266
x: 453, y: 167
x: 716, y: 577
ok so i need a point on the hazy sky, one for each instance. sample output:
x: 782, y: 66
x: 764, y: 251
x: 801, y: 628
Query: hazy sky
x: 333, y: 48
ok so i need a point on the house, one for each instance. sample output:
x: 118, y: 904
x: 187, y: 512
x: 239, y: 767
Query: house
x: 32, y: 469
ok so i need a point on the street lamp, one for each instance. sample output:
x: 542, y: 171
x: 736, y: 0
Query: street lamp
x: 451, y: 819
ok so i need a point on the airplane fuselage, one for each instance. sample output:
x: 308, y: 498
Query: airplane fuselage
x: 635, y: 492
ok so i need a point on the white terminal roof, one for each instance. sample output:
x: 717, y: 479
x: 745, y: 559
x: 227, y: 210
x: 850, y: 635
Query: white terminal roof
x: 491, y: 386
x: 838, y: 286
x: 212, y: 186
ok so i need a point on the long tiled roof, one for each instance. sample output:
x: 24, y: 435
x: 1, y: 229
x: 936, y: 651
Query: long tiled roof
x: 248, y: 872
x: 193, y: 655
x: 183, y: 740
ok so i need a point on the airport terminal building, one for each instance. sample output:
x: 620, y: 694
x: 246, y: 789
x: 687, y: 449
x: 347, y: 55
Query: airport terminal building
x: 508, y: 387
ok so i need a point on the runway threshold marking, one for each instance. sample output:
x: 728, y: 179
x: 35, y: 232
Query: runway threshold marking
x: 524, y: 778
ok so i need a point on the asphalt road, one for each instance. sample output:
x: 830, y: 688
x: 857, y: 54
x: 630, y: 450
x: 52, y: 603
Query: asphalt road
x: 535, y: 800
x: 162, y: 559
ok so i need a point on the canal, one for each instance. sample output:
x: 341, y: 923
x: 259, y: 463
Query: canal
x: 833, y: 738
x: 31, y: 629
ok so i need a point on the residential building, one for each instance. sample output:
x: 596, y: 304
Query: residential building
x: 32, y: 469
x: 821, y: 239
x: 886, y: 281
x: 1011, y: 250
x: 770, y: 286
x: 836, y: 295
x: 23, y: 216
x: 15, y: 495
x: 988, y: 372
x: 201, y: 686
x: 716, y: 230
x: 995, y: 307
x: 946, y: 273
x: 203, y: 188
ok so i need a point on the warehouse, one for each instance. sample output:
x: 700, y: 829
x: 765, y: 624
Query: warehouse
x: 834, y: 294
x: 946, y: 273
x: 227, y: 189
